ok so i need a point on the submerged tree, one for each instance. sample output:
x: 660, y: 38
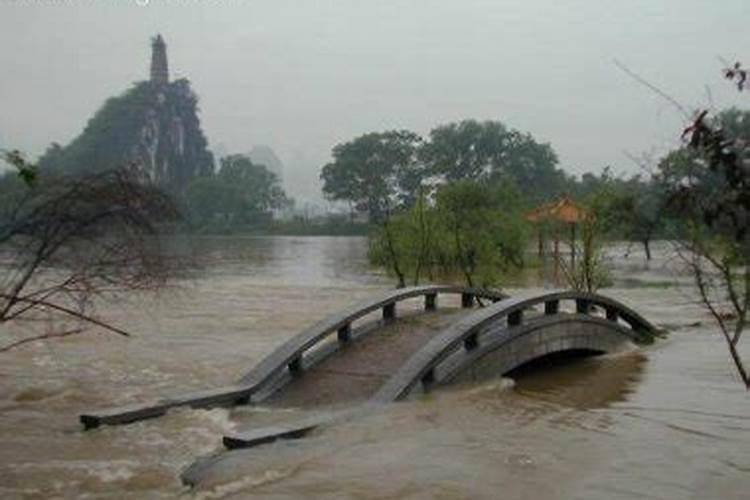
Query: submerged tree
x: 468, y: 230
x: 379, y: 174
x: 66, y: 241
x: 709, y: 187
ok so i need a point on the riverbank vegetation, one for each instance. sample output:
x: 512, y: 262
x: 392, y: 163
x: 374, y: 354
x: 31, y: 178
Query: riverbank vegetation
x: 451, y: 206
x: 455, y: 204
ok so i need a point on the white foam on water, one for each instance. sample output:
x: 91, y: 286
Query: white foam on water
x: 251, y: 481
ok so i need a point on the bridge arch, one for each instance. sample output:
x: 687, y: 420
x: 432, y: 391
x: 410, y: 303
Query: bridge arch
x: 598, y: 324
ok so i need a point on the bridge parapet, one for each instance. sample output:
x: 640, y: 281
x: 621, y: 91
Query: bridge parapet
x: 290, y: 355
x: 508, y: 315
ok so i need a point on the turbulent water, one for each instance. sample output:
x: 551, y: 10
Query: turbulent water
x: 670, y: 421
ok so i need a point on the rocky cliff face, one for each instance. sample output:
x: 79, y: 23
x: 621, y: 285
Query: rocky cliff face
x: 153, y: 128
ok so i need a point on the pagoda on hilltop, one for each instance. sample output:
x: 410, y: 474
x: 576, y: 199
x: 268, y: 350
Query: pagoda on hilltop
x: 152, y: 128
x: 159, y: 66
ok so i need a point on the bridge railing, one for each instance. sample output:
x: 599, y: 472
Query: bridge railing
x: 465, y: 333
x: 289, y: 356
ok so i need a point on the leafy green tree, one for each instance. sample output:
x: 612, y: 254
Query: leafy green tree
x: 628, y: 208
x: 259, y: 188
x: 466, y: 150
x: 406, y: 244
x: 240, y: 193
x: 639, y: 212
x: 472, y: 150
x: 209, y: 199
x: 482, y: 233
x: 376, y: 172
x: 472, y: 230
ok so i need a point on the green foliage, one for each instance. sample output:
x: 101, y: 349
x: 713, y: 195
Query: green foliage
x: 405, y: 243
x: 707, y: 182
x: 375, y: 172
x: 626, y: 208
x: 241, y: 193
x: 489, y: 150
x: 383, y: 172
x: 259, y: 189
x: 591, y: 271
x: 482, y: 232
x: 708, y: 186
x: 155, y: 128
x: 26, y: 171
x: 472, y: 230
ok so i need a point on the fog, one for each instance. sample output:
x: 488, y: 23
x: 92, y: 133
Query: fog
x: 303, y: 76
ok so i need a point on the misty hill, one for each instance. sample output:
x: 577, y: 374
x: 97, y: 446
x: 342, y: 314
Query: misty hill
x: 152, y: 127
x: 264, y: 155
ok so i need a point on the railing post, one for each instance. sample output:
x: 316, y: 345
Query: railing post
x: 583, y: 306
x: 428, y: 379
x: 472, y: 341
x: 552, y: 307
x: 467, y: 300
x: 244, y: 400
x: 612, y: 314
x: 295, y: 366
x: 430, y: 302
x: 515, y: 318
x: 345, y: 333
x: 389, y: 311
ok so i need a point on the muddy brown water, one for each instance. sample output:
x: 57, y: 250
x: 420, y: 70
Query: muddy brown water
x: 670, y: 421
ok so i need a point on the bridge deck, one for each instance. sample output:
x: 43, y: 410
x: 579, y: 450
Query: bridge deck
x: 355, y: 373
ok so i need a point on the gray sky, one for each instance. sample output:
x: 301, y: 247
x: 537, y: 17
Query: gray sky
x: 303, y: 76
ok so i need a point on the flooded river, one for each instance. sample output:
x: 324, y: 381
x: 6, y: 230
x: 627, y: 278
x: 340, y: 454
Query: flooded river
x: 670, y: 421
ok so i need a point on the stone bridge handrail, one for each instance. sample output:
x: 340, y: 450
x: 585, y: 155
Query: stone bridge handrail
x: 289, y: 354
x: 466, y: 332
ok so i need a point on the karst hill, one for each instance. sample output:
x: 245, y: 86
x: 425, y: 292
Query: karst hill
x: 153, y: 127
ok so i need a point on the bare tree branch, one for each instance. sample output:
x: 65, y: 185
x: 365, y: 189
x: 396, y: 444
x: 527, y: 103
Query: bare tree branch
x: 44, y: 336
x: 653, y: 88
x: 70, y: 240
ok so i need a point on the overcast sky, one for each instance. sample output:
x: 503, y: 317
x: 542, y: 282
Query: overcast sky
x: 301, y: 76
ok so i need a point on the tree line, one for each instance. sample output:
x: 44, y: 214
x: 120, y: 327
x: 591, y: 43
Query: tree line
x: 453, y: 204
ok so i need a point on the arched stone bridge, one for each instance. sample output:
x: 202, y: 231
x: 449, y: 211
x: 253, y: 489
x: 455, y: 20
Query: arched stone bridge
x: 511, y: 333
x: 498, y: 337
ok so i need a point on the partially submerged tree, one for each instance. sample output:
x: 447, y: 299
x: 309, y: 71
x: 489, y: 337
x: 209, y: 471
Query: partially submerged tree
x: 66, y: 241
x: 590, y: 271
x: 379, y: 174
x: 638, y: 212
x: 483, y: 233
x: 709, y: 187
x: 470, y: 231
